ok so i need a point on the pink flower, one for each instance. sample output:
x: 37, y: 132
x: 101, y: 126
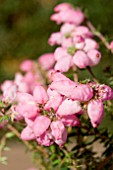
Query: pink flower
x: 40, y: 95
x: 46, y: 139
x: 62, y: 7
x: 59, y: 53
x: 10, y: 93
x: 22, y: 85
x: 6, y: 84
x: 51, y: 93
x: 83, y: 31
x: 80, y: 59
x: 70, y: 120
x: 67, y: 28
x: 55, y: 38
x: 64, y: 63
x: 69, y: 107
x: 94, y: 56
x: 62, y: 141
x: 46, y: 61
x: 64, y: 87
x: 57, y: 76
x: 70, y: 16
x: 26, y: 105
x: 67, y: 42
x: 29, y: 121
x: 53, y: 103
x: 90, y: 44
x: 27, y: 110
x: 41, y: 124
x: 105, y: 92
x: 82, y: 93
x: 25, y: 98
x: 27, y: 65
x: 79, y: 42
x: 31, y: 79
x: 95, y: 111
x: 59, y: 132
x: 27, y: 134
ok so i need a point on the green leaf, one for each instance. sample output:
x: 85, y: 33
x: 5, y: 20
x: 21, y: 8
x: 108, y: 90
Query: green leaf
x: 9, y: 135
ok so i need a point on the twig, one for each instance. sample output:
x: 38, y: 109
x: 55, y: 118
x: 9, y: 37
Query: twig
x: 92, y: 74
x: 104, y: 162
x: 98, y: 34
x: 2, y: 144
x: 29, y: 146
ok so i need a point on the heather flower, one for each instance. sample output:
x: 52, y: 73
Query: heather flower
x: 46, y: 61
x: 27, y: 65
x: 27, y: 134
x: 82, y: 92
x: 69, y: 107
x: 95, y: 110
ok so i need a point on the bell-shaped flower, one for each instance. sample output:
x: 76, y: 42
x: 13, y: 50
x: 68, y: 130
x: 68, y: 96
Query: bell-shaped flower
x: 82, y: 93
x: 80, y: 59
x: 90, y: 44
x: 41, y: 124
x: 69, y: 107
x: 58, y: 129
x: 64, y: 87
x: 40, y: 95
x: 57, y: 76
x: 27, y: 65
x: 25, y: 98
x: 105, y: 92
x: 95, y: 110
x: 83, y: 31
x: 70, y: 120
x: 64, y: 63
x: 62, y: 7
x: 46, y: 61
x: 27, y: 110
x: 62, y: 141
x: 10, y: 94
x: 46, y: 139
x: 59, y: 53
x: 27, y: 134
x: 94, y: 56
x: 53, y: 103
x: 55, y: 39
x: 67, y: 28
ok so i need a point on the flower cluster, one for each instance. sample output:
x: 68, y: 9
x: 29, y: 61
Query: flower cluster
x: 77, y: 46
x: 47, y: 111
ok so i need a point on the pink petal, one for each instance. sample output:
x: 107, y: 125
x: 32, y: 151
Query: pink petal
x: 40, y: 95
x: 69, y: 107
x: 27, y: 134
x: 80, y: 59
x: 41, y: 124
x: 64, y: 87
x: 82, y: 93
x: 95, y: 111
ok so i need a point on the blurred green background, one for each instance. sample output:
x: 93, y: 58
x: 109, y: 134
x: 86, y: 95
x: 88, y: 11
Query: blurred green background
x: 25, y: 28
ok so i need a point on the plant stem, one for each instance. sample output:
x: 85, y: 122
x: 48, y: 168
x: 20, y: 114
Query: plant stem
x: 104, y: 162
x: 98, y: 34
x: 92, y: 74
x: 29, y: 146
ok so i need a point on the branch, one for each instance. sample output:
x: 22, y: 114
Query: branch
x: 104, y: 162
x: 98, y: 34
x: 92, y: 74
x: 29, y: 146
